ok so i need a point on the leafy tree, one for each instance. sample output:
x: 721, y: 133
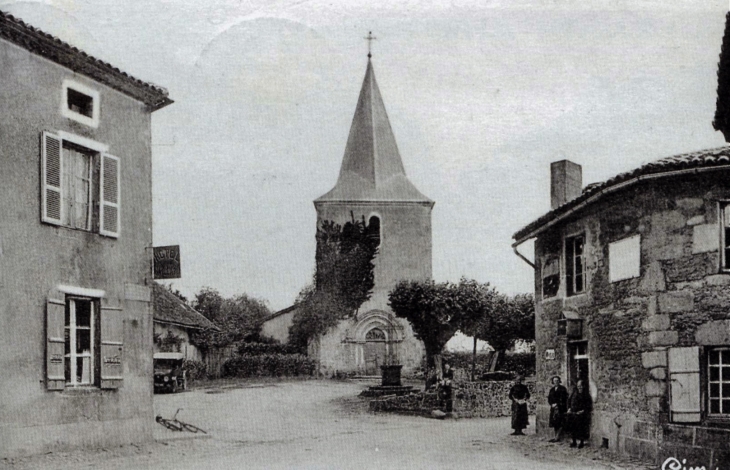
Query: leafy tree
x: 343, y: 281
x: 239, y: 318
x: 436, y: 311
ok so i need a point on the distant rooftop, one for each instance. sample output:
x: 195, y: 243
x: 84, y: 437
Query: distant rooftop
x: 168, y: 308
x: 52, y: 48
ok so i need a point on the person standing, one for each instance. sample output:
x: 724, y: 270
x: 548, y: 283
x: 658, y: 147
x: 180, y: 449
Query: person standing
x: 447, y: 386
x: 519, y: 394
x: 579, y: 411
x: 558, y: 401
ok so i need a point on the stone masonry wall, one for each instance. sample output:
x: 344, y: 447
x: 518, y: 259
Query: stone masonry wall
x: 679, y: 299
x: 471, y: 399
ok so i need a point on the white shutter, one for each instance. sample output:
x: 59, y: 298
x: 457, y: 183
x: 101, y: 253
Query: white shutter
x: 51, y: 178
x: 112, y: 346
x: 684, y: 376
x: 109, y: 217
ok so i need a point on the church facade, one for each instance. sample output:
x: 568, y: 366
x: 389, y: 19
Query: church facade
x: 373, y: 185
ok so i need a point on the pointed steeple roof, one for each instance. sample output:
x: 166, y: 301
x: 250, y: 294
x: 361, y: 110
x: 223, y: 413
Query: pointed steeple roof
x: 372, y: 169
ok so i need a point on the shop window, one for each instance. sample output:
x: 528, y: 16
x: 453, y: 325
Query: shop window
x: 80, y: 103
x: 80, y: 184
x: 575, y: 270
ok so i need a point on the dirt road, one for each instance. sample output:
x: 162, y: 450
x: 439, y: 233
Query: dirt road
x: 315, y: 425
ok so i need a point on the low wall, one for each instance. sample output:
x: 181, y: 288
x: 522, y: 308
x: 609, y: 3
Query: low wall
x: 471, y: 399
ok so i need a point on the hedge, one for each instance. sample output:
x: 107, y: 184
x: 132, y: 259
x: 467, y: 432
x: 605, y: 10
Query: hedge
x: 259, y: 348
x: 268, y: 365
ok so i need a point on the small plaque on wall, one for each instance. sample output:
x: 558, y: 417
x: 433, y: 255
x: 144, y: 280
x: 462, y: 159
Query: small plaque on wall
x: 549, y: 354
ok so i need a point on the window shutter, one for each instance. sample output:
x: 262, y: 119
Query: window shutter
x: 51, y: 175
x: 55, y: 344
x: 112, y: 345
x: 684, y: 377
x: 109, y: 217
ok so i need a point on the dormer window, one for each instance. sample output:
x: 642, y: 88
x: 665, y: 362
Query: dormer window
x: 80, y: 103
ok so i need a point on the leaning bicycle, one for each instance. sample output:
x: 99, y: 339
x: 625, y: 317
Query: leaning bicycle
x: 175, y: 424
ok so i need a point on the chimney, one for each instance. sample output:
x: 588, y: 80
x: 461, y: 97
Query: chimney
x: 566, y: 182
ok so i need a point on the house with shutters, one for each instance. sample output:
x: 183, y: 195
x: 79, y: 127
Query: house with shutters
x: 75, y: 247
x: 632, y: 296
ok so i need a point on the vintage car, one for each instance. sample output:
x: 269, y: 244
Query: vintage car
x: 169, y: 373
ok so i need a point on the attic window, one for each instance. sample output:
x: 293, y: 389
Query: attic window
x: 80, y: 103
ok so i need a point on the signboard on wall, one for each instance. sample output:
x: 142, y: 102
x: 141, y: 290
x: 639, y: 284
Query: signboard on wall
x: 166, y: 261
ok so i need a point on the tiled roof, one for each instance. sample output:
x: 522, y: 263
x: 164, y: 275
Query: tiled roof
x: 52, y: 48
x: 168, y: 308
x: 695, y: 161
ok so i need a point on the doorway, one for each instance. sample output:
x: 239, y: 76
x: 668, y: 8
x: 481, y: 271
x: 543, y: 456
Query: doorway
x: 375, y: 351
x: 578, y: 365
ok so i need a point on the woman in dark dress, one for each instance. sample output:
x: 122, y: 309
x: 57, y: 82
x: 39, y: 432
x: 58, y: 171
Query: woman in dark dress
x: 579, y: 412
x: 519, y: 394
x: 558, y: 401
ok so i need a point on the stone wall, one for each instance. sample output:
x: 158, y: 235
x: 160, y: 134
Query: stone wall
x: 679, y: 299
x: 471, y: 400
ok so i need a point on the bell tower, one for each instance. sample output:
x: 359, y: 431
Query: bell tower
x: 372, y: 184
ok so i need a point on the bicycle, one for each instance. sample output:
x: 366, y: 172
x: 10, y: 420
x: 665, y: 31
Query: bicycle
x: 175, y: 424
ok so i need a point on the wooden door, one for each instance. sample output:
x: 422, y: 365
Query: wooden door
x: 375, y: 350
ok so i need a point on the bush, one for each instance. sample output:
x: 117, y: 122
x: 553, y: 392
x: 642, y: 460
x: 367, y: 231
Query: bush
x: 268, y: 365
x: 196, y: 370
x: 522, y: 363
x: 259, y: 348
x: 462, y: 361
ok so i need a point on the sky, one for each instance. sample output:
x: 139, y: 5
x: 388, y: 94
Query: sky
x: 481, y: 95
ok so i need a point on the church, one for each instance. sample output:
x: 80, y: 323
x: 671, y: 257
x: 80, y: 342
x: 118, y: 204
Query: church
x: 373, y: 186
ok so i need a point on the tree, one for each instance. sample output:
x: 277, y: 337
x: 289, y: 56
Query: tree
x: 436, y: 311
x: 343, y: 281
x: 239, y: 318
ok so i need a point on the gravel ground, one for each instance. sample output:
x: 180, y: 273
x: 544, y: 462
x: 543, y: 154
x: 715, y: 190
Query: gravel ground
x: 320, y: 425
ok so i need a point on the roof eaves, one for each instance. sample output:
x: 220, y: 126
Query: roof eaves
x: 52, y: 48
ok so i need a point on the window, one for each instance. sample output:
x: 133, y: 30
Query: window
x: 85, y: 334
x: 80, y: 184
x: 80, y: 103
x: 718, y: 381
x: 81, y: 355
x: 575, y: 270
x: 624, y: 257
x: 725, y: 236
x: 550, y: 276
x: 373, y: 229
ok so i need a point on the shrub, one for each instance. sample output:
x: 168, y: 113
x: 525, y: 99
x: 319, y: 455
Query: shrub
x: 196, y: 370
x: 268, y: 365
x: 521, y: 363
x: 255, y: 349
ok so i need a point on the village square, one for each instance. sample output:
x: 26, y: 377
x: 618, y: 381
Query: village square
x: 508, y: 250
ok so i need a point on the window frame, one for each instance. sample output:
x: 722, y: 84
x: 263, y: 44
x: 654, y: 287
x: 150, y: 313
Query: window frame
x: 67, y: 112
x: 724, y: 228
x: 570, y: 270
x: 71, y: 373
x: 707, y: 382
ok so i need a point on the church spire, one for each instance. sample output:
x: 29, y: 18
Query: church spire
x: 372, y: 169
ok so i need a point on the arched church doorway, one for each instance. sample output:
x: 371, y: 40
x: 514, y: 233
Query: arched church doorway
x: 375, y: 351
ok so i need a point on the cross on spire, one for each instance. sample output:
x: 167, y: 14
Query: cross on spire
x: 370, y: 38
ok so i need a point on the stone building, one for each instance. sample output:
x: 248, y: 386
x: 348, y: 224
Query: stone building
x: 75, y: 239
x: 373, y: 186
x: 175, y: 319
x: 632, y: 292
